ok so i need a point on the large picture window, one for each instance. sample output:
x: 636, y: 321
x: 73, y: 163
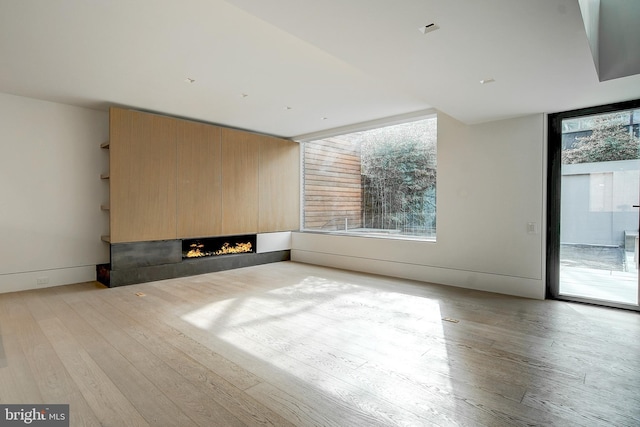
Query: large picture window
x: 379, y: 182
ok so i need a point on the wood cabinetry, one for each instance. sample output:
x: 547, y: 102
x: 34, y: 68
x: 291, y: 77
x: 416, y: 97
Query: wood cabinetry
x: 173, y: 179
x: 240, y: 154
x: 142, y: 162
x: 279, y: 189
x: 199, y: 202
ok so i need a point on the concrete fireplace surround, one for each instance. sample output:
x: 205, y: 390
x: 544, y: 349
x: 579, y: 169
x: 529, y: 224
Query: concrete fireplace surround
x: 139, y: 262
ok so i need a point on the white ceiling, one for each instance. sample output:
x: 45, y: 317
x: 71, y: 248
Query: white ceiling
x: 347, y: 60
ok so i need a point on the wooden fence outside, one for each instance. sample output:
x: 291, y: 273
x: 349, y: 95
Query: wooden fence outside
x: 333, y: 186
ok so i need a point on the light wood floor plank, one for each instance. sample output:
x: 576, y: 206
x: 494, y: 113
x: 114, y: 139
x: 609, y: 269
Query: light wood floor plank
x: 226, y: 369
x: 292, y: 344
x: 313, y: 356
x: 145, y: 397
x: 212, y: 385
x: 190, y: 396
x: 104, y: 398
x: 297, y: 412
x: 147, y: 317
x: 188, y: 329
x: 560, y: 400
x: 385, y: 384
x: 20, y: 380
x: 264, y: 367
x: 54, y: 382
x: 17, y: 379
x: 322, y: 350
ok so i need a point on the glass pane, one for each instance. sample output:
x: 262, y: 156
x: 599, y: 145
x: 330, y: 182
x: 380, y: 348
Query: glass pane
x: 376, y: 182
x: 599, y: 223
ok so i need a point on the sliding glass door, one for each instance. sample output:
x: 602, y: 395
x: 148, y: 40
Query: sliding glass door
x: 594, y: 194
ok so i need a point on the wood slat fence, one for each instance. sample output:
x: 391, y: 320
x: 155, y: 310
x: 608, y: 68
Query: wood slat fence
x: 333, y: 186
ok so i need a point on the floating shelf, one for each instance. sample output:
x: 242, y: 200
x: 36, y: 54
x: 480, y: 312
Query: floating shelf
x: 104, y: 175
x: 105, y: 144
x: 106, y: 239
x: 104, y: 207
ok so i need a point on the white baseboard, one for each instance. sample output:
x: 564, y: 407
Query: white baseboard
x: 46, y: 278
x: 517, y: 286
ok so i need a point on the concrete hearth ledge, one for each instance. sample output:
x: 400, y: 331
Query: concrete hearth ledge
x: 188, y: 267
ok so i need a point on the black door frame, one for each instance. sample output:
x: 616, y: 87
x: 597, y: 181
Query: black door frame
x: 554, y: 178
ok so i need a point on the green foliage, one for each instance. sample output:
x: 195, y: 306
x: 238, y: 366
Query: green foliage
x: 399, y: 176
x: 610, y: 140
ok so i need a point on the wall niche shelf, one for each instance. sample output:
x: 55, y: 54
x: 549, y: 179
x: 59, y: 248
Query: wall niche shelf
x: 105, y: 207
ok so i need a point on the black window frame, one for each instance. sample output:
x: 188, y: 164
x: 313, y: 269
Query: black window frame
x: 554, y: 181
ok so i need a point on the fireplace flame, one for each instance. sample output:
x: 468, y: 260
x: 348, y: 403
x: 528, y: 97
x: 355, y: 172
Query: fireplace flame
x: 196, y: 251
x: 237, y: 249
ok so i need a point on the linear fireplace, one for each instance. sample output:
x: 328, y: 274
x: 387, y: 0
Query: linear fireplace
x: 138, y: 262
x: 217, y: 246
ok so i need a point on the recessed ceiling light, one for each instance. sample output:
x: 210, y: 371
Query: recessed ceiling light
x: 189, y: 80
x: 428, y: 28
x: 485, y: 81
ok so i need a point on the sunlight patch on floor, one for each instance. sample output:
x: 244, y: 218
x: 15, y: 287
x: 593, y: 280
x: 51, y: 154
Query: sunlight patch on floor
x: 337, y: 336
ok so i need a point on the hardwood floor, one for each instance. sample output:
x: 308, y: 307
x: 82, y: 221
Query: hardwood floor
x: 292, y: 344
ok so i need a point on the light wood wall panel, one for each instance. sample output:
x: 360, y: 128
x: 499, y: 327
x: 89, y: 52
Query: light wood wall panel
x: 279, y: 185
x: 240, y: 155
x: 199, y: 196
x: 173, y: 178
x: 143, y: 176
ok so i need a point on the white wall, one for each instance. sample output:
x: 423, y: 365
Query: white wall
x: 272, y: 242
x: 50, y: 193
x: 491, y: 184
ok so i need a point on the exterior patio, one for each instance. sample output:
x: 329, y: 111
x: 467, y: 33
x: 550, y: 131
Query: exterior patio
x: 609, y: 274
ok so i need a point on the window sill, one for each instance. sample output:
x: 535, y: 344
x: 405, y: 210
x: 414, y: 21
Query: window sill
x: 368, y: 233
